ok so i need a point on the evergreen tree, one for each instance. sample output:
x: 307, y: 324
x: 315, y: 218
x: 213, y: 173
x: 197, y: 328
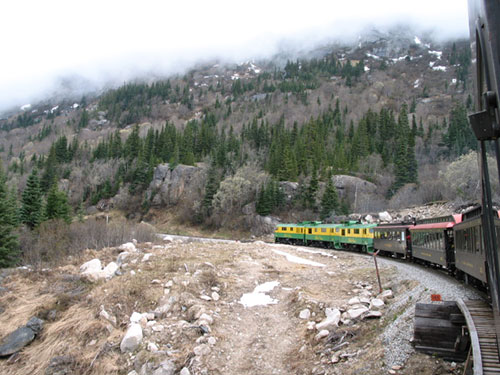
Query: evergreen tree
x: 31, y: 203
x: 211, y: 187
x: 9, y: 244
x: 329, y: 201
x: 57, y: 206
x: 264, y: 202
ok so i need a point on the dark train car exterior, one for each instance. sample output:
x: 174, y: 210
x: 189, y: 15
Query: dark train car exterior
x: 470, y: 256
x: 393, y: 239
x: 432, y: 241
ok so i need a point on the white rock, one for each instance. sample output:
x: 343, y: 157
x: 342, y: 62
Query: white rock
x: 384, y: 216
x: 91, y: 266
x: 132, y: 272
x: 201, y: 350
x: 185, y: 371
x: 169, y: 284
x: 158, y: 328
x: 311, y: 325
x: 134, y: 241
x: 212, y: 341
x: 332, y: 319
x: 132, y: 338
x: 215, y: 296
x: 105, y: 315
x: 207, y: 318
x: 206, y: 298
x: 305, y: 314
x: 152, y: 347
x: 155, y: 282
x: 386, y: 294
x: 109, y: 271
x: 354, y: 301
x: 136, y: 317
x: 376, y: 303
x: 122, y: 257
x: 146, y: 257
x: 321, y: 334
x: 356, y: 313
x: 166, y: 367
x: 133, y: 372
x: 373, y: 314
x: 364, y: 300
x: 369, y: 218
x: 129, y: 246
x: 150, y: 316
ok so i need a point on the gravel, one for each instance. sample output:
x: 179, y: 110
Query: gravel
x: 398, y: 335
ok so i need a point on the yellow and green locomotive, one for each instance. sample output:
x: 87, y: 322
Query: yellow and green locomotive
x: 351, y: 235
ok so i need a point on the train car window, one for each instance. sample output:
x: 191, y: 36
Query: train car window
x: 343, y: 232
x: 402, y: 236
x: 356, y: 231
x: 371, y: 230
x: 478, y: 239
x: 323, y: 230
x: 309, y: 230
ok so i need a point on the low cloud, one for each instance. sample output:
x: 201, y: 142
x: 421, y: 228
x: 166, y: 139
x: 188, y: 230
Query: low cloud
x: 114, y: 41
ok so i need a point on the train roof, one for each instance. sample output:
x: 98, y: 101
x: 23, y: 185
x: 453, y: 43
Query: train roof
x: 443, y: 222
x: 394, y: 226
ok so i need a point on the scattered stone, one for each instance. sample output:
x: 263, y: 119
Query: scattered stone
x: 169, y: 284
x: 152, y: 347
x: 215, y: 296
x: 321, y: 334
x: 332, y: 319
x: 166, y: 368
x: 354, y: 301
x: 305, y: 314
x: 21, y: 337
x: 158, y: 328
x: 212, y: 341
x: 121, y: 257
x: 397, y: 367
x: 364, y: 300
x: 109, y: 271
x: 146, y: 257
x: 311, y: 325
x: 373, y: 314
x: 335, y: 358
x: 385, y: 295
x: 150, y: 316
x: 60, y: 365
x: 356, y: 313
x: 385, y: 216
x: 133, y: 372
x: 132, y: 338
x: 105, y: 315
x: 129, y: 247
x: 205, y: 298
x: 185, y: 371
x: 206, y: 318
x: 201, y: 350
x: 376, y: 303
x: 136, y: 317
x: 155, y: 282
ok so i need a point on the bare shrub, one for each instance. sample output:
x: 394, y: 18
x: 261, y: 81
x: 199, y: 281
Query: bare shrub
x: 461, y: 178
x: 53, y: 241
x: 406, y: 196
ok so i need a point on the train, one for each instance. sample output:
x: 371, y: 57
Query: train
x: 453, y: 243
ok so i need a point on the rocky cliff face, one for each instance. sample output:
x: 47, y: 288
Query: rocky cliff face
x: 171, y: 186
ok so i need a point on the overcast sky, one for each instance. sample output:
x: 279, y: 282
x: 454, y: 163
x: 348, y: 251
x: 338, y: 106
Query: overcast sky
x: 110, y: 40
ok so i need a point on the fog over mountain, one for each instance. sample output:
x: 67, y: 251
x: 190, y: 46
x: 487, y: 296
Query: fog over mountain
x: 79, y: 47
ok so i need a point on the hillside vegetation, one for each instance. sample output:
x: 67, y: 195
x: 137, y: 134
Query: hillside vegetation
x: 224, y: 145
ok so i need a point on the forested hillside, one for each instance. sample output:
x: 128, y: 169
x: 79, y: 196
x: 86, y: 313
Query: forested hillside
x: 263, y: 138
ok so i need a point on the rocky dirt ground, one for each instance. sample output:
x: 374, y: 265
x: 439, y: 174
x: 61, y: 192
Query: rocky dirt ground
x: 220, y: 308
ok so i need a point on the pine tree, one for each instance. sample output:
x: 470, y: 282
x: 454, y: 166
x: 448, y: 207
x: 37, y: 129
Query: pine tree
x: 330, y: 200
x: 211, y: 187
x: 57, y: 206
x: 31, y: 202
x: 264, y: 202
x: 9, y: 244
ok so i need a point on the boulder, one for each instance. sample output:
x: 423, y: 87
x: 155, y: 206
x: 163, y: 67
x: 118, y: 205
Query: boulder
x: 356, y: 313
x: 61, y: 365
x: 166, y: 367
x: 121, y: 257
x: 93, y: 265
x: 128, y: 247
x: 185, y: 371
x: 373, y: 314
x: 376, y: 303
x: 132, y: 338
x: 332, y: 319
x: 321, y: 334
x: 385, y: 216
x: 305, y: 314
x: 201, y: 350
x: 109, y: 271
x: 21, y: 337
x: 385, y: 295
x: 354, y: 301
